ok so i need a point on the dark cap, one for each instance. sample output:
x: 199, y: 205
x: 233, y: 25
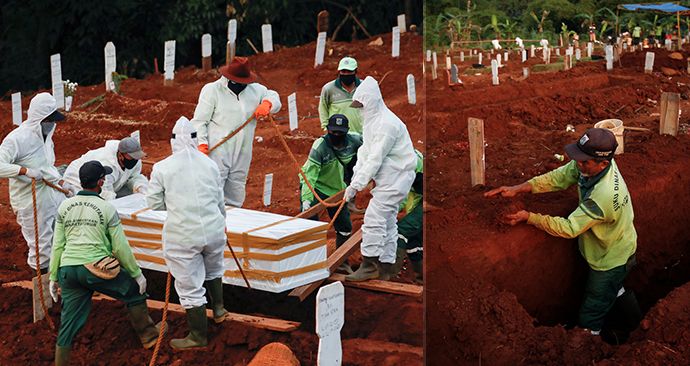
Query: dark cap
x: 596, y: 143
x: 338, y: 123
x: 92, y: 171
x: 55, y: 117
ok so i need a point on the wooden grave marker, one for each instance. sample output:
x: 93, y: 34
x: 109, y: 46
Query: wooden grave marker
x: 669, y: 113
x: 475, y: 128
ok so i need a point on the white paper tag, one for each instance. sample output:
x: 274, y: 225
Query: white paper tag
x: 411, y: 93
x: 292, y: 111
x: 267, y: 37
x: 56, y: 78
x: 330, y: 318
x: 110, y: 65
x: 232, y: 30
x: 395, y: 49
x: 320, y: 49
x: 401, y: 23
x: 206, y: 45
x: 169, y: 60
x: 268, y: 188
x: 17, y: 108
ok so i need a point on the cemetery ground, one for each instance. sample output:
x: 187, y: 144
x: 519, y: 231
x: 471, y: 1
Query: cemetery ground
x: 380, y: 329
x: 498, y: 294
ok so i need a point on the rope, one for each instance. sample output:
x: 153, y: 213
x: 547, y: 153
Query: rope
x: 38, y: 261
x: 231, y: 134
x: 161, y: 331
x: 55, y: 187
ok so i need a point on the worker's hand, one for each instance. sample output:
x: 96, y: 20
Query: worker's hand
x: 203, y: 148
x: 71, y: 189
x: 305, y: 205
x: 140, y: 189
x: 34, y: 173
x: 509, y: 191
x: 54, y: 290
x: 350, y: 194
x: 517, y: 217
x: 141, y: 281
x: 263, y: 110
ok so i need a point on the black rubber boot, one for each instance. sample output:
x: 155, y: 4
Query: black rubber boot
x: 215, y: 292
x: 368, y: 270
x: 198, y: 330
x: 386, y: 271
x: 143, y: 325
x: 62, y: 355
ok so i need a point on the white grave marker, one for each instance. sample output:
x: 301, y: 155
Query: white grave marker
x: 267, y: 37
x: 498, y: 60
x: 17, y: 108
x: 56, y: 78
x: 558, y: 51
x: 411, y: 93
x: 428, y: 55
x: 447, y: 62
x: 578, y: 54
x: 649, y: 62
x: 494, y: 72
x: 401, y: 23
x: 524, y: 55
x: 320, y: 49
x: 292, y: 111
x: 435, y: 60
x: 505, y: 56
x: 462, y: 56
x: 480, y: 56
x: 525, y: 72
x: 169, y: 60
x: 531, y: 51
x: 268, y: 188
x: 395, y: 48
x: 590, y: 49
x: 206, y: 45
x: 330, y: 318
x: 232, y: 30
x: 110, y: 65
x: 609, y: 57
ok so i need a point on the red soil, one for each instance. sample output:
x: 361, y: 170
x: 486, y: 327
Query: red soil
x: 498, y: 295
x: 379, y: 328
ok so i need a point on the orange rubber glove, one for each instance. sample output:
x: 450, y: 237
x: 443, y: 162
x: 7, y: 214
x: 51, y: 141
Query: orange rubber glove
x: 203, y: 148
x: 263, y: 110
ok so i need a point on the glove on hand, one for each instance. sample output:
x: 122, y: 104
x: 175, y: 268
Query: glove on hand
x: 141, y: 281
x: 203, y: 148
x: 54, y: 290
x: 34, y: 173
x: 263, y: 110
x: 350, y: 194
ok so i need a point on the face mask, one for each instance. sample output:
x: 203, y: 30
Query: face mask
x: 347, y: 79
x: 129, y: 163
x: 236, y: 87
x: 46, y: 127
x: 337, y: 140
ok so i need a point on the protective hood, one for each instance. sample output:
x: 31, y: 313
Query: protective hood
x: 369, y: 94
x: 182, y: 135
x: 41, y: 106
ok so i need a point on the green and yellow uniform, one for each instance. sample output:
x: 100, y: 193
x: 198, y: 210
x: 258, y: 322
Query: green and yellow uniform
x: 336, y: 100
x: 410, y: 227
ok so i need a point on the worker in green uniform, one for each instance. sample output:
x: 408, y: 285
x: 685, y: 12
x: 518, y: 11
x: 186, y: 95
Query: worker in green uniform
x: 329, y: 170
x: 602, y: 222
x: 336, y: 96
x: 411, y: 226
x: 88, y: 230
x: 637, y: 34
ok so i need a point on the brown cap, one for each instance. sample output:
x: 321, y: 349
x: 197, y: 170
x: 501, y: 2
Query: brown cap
x: 238, y: 71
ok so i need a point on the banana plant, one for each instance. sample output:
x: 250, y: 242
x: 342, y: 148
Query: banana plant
x: 494, y: 26
x: 540, y: 21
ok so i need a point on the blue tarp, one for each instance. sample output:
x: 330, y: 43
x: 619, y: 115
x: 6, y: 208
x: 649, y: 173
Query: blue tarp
x: 665, y: 7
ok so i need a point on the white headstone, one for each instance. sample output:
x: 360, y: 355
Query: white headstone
x: 649, y: 62
x: 330, y: 318
x: 17, y: 108
x: 479, y: 58
x: 267, y: 37
x: 428, y: 55
x: 401, y: 23
x: 232, y: 31
x: 56, y: 78
x: 578, y: 54
x: 320, y: 49
x: 454, y: 74
x: 524, y: 55
x: 505, y: 56
x: 169, y: 60
x: 525, y: 72
x: 268, y: 188
x: 292, y: 111
x: 411, y: 93
x: 531, y: 51
x: 447, y: 62
x: 590, y: 49
x: 395, y: 48
x: 474, y: 52
x: 462, y: 56
x: 435, y: 60
x: 110, y: 65
x: 558, y: 51
x: 494, y: 72
x: 498, y: 60
x: 68, y: 103
x: 206, y: 45
x: 609, y: 57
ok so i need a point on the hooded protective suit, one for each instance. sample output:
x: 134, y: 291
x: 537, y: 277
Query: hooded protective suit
x: 220, y: 112
x: 387, y: 157
x: 186, y: 184
x: 132, y: 179
x: 25, y: 147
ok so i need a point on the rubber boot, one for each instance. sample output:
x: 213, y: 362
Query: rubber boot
x: 417, y: 267
x: 143, y: 325
x: 62, y: 355
x: 368, y: 270
x: 198, y: 330
x: 386, y: 271
x: 215, y: 291
x: 400, y: 255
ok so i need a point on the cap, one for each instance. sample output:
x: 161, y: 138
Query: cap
x: 347, y: 63
x: 131, y: 146
x: 596, y: 143
x: 338, y: 123
x: 92, y: 171
x: 55, y: 117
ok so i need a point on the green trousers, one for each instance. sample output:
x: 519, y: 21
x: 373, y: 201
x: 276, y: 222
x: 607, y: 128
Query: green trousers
x: 410, y: 230
x: 77, y: 285
x: 342, y: 224
x: 601, y: 292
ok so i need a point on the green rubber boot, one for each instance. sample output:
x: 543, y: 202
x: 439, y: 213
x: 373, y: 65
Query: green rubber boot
x: 62, y: 355
x: 400, y: 255
x: 386, y: 271
x: 419, y: 270
x: 198, y: 330
x: 368, y: 270
x: 215, y: 291
x: 143, y: 325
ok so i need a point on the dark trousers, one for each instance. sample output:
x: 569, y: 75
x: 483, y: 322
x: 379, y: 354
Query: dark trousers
x: 600, y: 294
x: 342, y: 224
x: 410, y: 230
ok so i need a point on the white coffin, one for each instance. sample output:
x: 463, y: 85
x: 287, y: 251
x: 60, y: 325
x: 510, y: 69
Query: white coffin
x: 277, y: 253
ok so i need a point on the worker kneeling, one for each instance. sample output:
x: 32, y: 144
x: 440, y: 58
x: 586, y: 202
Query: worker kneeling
x: 188, y: 185
x: 89, y: 248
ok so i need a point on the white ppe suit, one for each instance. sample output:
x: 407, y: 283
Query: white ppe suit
x: 25, y: 147
x: 387, y: 156
x: 130, y: 179
x: 186, y: 184
x: 220, y: 112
